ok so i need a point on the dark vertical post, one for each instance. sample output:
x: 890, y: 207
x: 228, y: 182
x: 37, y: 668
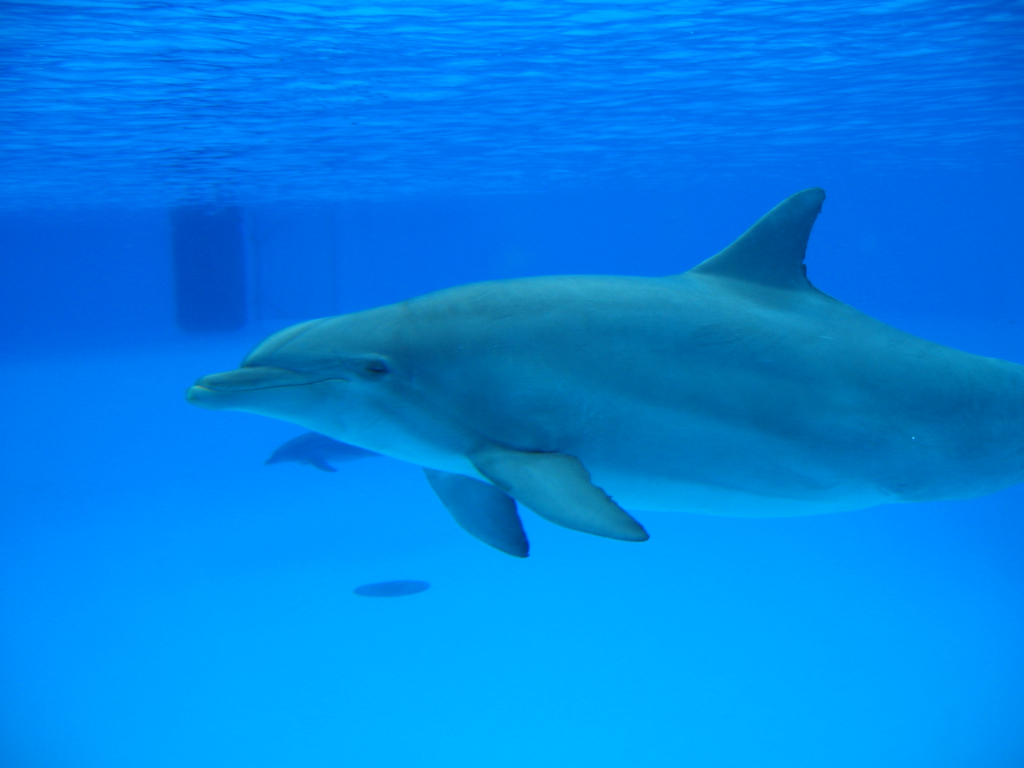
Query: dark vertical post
x: 209, y: 268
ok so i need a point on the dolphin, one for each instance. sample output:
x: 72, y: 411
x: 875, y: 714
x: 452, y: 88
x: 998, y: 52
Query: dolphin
x: 736, y: 388
x: 316, y: 450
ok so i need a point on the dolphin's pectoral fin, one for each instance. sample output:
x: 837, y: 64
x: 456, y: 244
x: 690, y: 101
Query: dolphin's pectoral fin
x: 321, y: 464
x: 557, y: 487
x: 481, y: 510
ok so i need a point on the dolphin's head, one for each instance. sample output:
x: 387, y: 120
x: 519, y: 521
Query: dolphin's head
x: 332, y: 375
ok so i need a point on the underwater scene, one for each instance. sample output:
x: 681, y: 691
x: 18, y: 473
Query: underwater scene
x: 570, y: 384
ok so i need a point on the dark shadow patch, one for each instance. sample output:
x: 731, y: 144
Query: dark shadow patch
x: 391, y: 588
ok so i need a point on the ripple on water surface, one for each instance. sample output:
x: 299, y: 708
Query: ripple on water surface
x: 168, y: 103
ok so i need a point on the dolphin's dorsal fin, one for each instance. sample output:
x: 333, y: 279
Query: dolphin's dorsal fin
x: 771, y: 253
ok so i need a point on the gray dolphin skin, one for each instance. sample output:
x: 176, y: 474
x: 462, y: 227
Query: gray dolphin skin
x: 736, y: 388
x: 316, y: 450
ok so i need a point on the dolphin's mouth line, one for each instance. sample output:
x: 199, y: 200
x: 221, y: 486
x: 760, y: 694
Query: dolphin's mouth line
x: 269, y: 386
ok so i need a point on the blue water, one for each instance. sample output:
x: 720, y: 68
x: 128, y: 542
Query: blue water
x: 168, y: 600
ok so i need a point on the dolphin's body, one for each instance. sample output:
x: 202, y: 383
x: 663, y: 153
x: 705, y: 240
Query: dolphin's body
x: 736, y: 388
x: 316, y: 450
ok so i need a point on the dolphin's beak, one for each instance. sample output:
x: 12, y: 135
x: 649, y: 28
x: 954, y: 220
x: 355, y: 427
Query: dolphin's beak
x: 207, y: 398
x: 217, y: 390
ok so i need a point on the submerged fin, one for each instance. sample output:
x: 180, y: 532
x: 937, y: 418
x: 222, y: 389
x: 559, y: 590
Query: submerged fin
x: 321, y: 465
x: 558, y: 488
x: 481, y: 510
x: 771, y: 253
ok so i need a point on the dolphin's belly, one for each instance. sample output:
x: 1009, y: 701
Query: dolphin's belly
x: 669, y: 495
x: 729, y: 471
x: 655, y: 458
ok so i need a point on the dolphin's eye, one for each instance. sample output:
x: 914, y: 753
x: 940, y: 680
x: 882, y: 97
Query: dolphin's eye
x: 376, y: 367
